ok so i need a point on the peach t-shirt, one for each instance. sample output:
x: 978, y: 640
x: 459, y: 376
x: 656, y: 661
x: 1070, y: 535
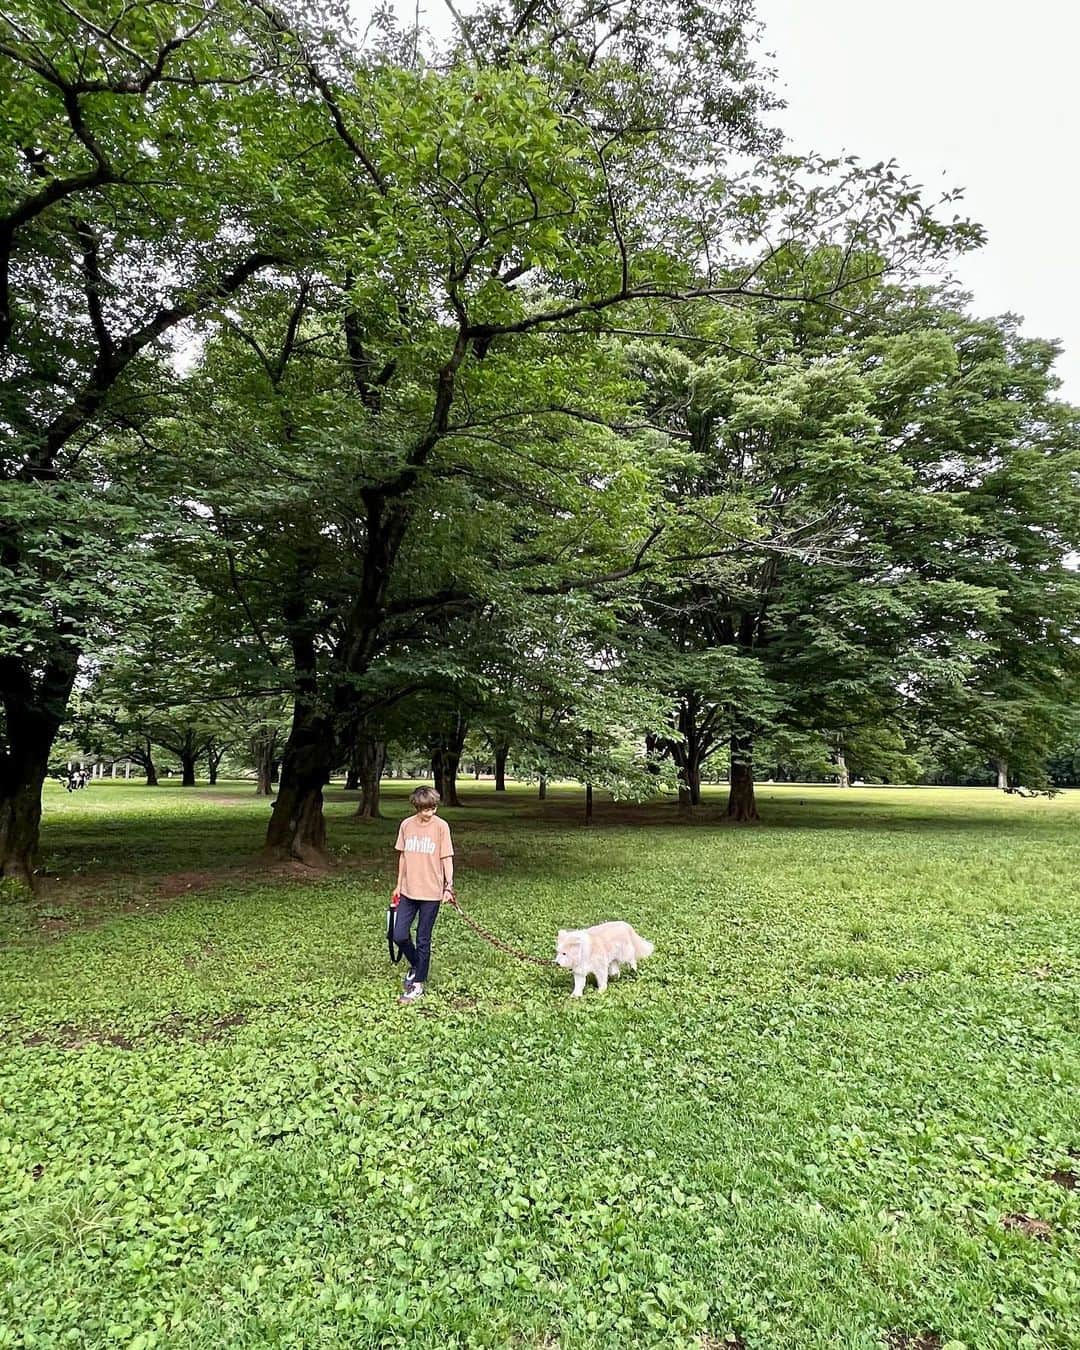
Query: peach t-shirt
x: 424, y: 847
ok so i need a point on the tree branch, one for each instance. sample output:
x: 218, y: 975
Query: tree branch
x: 89, y: 245
x: 485, y: 332
x: 606, y: 578
x: 279, y: 25
x: 110, y: 365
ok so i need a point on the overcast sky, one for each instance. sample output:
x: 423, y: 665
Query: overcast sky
x: 978, y: 94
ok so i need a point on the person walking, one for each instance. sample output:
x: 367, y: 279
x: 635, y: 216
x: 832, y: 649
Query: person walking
x: 425, y: 879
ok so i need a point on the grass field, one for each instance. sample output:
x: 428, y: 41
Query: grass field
x: 840, y: 1107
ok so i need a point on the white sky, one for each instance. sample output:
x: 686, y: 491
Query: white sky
x: 977, y: 94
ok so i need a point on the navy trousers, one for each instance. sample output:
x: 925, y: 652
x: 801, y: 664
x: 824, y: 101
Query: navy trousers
x: 418, y: 957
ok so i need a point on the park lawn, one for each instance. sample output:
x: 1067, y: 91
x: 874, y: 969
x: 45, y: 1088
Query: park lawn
x: 814, y: 1119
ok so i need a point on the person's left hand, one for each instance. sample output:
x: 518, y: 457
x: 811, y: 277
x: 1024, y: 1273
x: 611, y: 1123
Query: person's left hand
x: 448, y: 894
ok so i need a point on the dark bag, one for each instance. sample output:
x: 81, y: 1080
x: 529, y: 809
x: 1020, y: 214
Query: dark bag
x: 391, y: 915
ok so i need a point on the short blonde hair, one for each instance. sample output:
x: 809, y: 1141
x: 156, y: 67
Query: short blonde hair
x: 423, y: 799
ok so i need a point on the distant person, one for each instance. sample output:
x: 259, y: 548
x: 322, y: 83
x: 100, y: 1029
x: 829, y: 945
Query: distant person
x: 425, y: 879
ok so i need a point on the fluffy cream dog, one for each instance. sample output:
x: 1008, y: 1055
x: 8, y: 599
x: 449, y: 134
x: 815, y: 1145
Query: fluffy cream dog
x: 600, y: 951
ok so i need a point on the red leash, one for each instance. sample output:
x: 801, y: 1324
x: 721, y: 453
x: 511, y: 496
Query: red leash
x: 496, y: 942
x: 477, y: 929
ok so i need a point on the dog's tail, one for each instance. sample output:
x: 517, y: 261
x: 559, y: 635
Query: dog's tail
x: 643, y: 946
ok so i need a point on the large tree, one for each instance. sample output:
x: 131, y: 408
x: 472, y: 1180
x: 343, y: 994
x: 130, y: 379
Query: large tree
x: 523, y: 200
x: 144, y: 181
x: 292, y: 466
x: 909, y: 483
x: 997, y: 446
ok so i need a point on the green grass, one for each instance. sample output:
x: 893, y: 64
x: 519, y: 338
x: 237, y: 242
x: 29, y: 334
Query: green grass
x: 803, y: 1124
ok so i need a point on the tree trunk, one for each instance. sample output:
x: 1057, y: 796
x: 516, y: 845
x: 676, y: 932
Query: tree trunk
x: 588, y: 785
x: 370, y: 761
x: 187, y: 762
x: 502, y: 753
x: 542, y: 794
x: 690, y: 751
x: 33, y: 711
x: 450, y: 773
x: 21, y: 779
x: 297, y: 828
x: 446, y: 757
x: 352, y: 776
x: 148, y: 764
x: 688, y: 762
x: 741, y: 804
x: 214, y: 756
x: 843, y: 778
x: 1002, y: 770
x: 262, y: 752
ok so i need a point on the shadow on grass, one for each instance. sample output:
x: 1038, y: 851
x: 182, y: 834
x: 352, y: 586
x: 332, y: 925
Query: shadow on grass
x: 122, y: 837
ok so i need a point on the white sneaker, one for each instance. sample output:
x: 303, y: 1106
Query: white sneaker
x: 412, y: 993
x: 409, y: 979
